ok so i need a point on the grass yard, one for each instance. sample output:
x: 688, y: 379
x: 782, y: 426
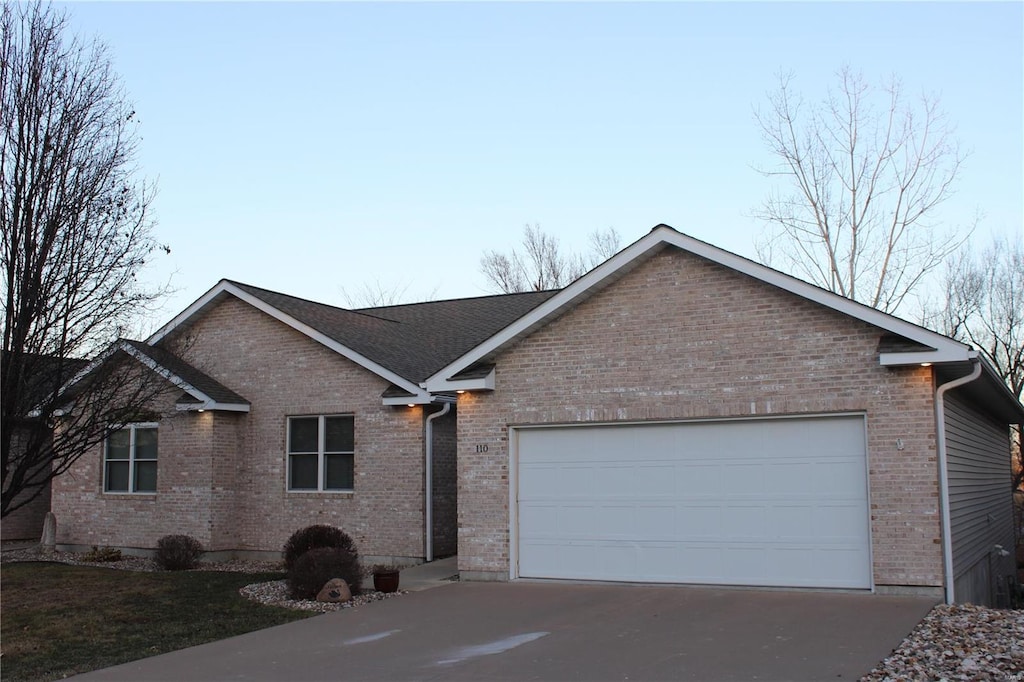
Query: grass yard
x: 58, y: 620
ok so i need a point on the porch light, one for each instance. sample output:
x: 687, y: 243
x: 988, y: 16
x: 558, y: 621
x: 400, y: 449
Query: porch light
x: 412, y: 404
x: 926, y: 364
x: 201, y: 410
x: 460, y: 392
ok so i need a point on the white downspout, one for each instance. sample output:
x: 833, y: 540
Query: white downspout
x: 429, y: 436
x: 940, y: 444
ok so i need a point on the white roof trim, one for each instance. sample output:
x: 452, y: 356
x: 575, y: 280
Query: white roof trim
x: 922, y: 357
x: 420, y: 398
x: 202, y: 399
x: 212, y: 405
x: 947, y: 350
x: 479, y: 384
x: 225, y: 286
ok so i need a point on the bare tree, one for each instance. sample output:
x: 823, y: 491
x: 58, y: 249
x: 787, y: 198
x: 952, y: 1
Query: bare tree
x: 379, y: 295
x: 374, y: 295
x: 984, y: 306
x: 542, y: 265
x: 76, y: 232
x: 865, y: 172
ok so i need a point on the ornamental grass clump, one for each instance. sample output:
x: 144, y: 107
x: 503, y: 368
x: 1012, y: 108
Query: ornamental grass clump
x: 177, y: 552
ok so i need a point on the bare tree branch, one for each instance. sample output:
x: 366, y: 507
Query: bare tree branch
x: 76, y: 232
x: 373, y: 295
x: 865, y: 181
x: 542, y: 265
x: 984, y: 306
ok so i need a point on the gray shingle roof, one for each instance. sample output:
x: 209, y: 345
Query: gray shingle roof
x: 412, y: 340
x: 187, y: 373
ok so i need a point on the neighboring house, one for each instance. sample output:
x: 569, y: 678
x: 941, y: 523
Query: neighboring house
x: 26, y: 521
x: 678, y: 414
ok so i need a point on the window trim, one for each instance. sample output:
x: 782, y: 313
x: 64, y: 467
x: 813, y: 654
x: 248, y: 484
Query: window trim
x: 131, y: 427
x: 321, y: 453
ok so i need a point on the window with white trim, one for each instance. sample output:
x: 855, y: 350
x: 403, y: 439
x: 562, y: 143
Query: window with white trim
x: 321, y: 453
x: 129, y: 459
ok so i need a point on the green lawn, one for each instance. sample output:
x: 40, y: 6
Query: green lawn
x: 58, y: 620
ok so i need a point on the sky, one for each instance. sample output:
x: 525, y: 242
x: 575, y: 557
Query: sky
x: 316, y: 148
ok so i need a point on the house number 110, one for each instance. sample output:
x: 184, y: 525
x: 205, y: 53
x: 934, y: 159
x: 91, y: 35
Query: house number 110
x: 481, y: 448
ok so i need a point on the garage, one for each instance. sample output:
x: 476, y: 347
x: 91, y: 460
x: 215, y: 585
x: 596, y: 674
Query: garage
x: 760, y: 502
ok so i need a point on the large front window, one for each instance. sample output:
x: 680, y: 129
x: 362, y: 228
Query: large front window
x: 129, y: 460
x: 321, y: 452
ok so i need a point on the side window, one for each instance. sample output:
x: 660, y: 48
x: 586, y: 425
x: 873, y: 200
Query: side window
x: 129, y: 459
x: 321, y: 453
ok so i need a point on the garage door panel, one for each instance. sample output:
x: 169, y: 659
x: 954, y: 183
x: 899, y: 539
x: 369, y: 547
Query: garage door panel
x: 697, y: 522
x: 831, y: 477
x: 842, y: 522
x: 758, y: 502
x: 654, y: 480
x: 698, y: 479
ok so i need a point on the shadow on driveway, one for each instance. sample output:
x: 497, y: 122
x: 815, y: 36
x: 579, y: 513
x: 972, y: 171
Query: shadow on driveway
x: 547, y: 631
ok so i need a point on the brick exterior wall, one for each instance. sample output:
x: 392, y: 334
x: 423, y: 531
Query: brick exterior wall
x: 222, y: 475
x: 683, y: 338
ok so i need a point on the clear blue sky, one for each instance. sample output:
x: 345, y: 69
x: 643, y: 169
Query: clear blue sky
x: 307, y: 147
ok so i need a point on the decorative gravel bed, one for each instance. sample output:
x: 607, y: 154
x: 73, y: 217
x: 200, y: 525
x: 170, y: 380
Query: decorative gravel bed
x: 959, y: 642
x: 273, y: 593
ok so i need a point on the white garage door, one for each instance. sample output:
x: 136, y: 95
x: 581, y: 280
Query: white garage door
x: 778, y: 502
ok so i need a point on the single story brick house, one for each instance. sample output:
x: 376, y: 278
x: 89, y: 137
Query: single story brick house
x: 678, y: 414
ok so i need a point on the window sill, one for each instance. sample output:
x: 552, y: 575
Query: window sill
x: 115, y: 493
x: 332, y: 493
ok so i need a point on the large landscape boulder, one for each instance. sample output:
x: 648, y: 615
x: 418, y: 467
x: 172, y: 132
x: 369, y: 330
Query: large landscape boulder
x: 335, y: 591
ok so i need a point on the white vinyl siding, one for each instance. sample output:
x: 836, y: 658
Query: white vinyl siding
x: 771, y: 502
x: 980, y: 499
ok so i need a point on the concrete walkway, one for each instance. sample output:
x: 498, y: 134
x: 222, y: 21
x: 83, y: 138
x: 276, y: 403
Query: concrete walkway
x: 554, y: 631
x: 426, y: 576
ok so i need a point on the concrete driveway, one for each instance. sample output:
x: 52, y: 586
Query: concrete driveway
x: 546, y: 631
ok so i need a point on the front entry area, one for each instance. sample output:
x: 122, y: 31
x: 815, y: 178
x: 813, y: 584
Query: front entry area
x: 760, y: 502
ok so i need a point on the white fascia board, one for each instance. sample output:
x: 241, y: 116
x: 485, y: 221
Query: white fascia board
x: 110, y: 350
x: 810, y: 292
x: 225, y: 286
x: 420, y: 398
x: 212, y: 405
x: 188, y: 312
x: 946, y: 348
x: 166, y: 373
x: 933, y: 357
x: 480, y: 384
x: 553, y: 304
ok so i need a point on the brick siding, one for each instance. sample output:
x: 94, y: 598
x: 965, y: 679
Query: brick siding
x: 222, y: 475
x: 681, y: 337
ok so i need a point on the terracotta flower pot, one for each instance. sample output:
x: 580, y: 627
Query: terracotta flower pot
x: 386, y: 581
